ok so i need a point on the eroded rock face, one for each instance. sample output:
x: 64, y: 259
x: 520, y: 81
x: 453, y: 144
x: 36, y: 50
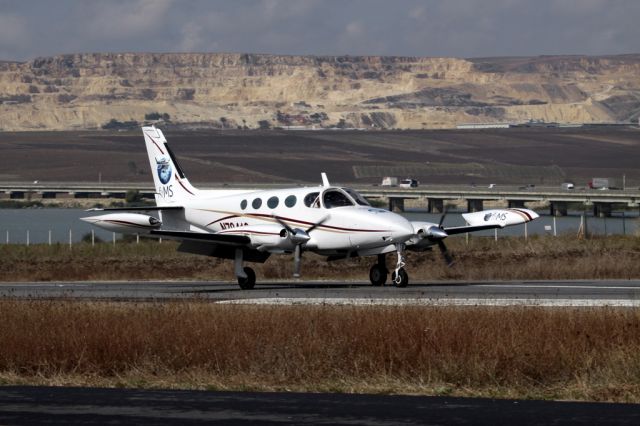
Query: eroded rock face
x: 230, y: 90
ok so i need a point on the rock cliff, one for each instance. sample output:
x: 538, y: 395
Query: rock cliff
x: 83, y: 91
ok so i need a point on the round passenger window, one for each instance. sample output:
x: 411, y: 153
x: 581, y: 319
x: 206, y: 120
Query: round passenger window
x: 272, y: 202
x: 290, y: 201
x: 256, y: 203
x: 243, y: 204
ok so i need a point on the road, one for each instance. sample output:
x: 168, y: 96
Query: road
x: 540, y: 293
x: 66, y: 406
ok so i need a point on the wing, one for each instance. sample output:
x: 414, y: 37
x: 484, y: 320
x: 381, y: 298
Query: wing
x: 464, y: 229
x: 223, y: 246
x: 131, y: 209
x: 234, y: 240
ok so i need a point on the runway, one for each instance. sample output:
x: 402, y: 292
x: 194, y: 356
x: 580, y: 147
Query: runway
x: 65, y: 406
x: 624, y: 293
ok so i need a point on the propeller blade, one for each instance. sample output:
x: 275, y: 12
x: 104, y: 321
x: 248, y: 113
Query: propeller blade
x: 284, y: 225
x: 444, y: 214
x: 445, y: 253
x: 296, y: 261
x: 320, y: 222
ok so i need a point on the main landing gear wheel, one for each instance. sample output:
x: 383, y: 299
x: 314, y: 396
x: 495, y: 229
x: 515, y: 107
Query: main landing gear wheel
x: 249, y: 282
x: 378, y: 275
x: 402, y: 280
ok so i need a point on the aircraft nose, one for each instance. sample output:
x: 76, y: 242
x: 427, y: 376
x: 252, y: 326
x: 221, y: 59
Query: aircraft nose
x: 402, y: 229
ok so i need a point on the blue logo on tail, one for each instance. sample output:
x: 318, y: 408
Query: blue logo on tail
x: 164, y: 169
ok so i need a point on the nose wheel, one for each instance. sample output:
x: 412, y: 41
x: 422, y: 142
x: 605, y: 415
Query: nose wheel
x: 400, y: 278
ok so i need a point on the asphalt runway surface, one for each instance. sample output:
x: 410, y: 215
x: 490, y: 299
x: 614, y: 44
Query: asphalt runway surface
x: 542, y: 293
x: 57, y: 406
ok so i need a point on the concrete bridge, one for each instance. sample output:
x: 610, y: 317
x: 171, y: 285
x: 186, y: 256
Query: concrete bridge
x: 433, y: 197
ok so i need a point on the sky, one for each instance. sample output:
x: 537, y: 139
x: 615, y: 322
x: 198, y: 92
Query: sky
x: 451, y: 28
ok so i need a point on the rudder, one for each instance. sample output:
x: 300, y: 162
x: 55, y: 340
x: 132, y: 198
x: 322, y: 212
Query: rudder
x: 171, y: 184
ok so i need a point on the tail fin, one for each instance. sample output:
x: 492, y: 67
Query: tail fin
x: 172, y: 186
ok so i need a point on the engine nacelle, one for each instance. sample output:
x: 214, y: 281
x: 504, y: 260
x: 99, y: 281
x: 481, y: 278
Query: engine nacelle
x: 500, y: 217
x: 272, y: 238
x: 125, y: 223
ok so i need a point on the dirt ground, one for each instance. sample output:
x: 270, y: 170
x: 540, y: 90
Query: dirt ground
x: 235, y: 156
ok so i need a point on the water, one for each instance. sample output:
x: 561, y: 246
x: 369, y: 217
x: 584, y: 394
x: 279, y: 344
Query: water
x: 544, y: 225
x: 38, y: 222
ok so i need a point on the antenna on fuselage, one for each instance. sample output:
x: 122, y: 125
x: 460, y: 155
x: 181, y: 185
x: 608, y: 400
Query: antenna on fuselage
x: 325, y: 179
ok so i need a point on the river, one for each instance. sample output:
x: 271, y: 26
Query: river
x: 18, y: 225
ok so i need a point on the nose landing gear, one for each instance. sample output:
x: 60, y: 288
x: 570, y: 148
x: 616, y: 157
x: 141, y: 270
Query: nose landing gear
x: 379, y: 272
x: 400, y: 276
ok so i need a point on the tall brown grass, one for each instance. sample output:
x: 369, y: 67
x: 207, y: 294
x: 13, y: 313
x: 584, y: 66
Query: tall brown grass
x: 590, y: 354
x: 483, y: 258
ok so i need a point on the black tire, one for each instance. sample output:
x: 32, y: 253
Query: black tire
x: 378, y: 275
x: 404, y: 278
x: 249, y: 282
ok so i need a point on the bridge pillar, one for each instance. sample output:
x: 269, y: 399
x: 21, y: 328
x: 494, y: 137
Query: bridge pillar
x: 602, y: 209
x: 435, y: 205
x: 474, y: 205
x: 396, y: 204
x: 516, y: 204
x: 558, y: 208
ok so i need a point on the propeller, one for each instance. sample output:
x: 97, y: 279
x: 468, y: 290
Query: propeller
x: 299, y: 237
x: 438, y: 234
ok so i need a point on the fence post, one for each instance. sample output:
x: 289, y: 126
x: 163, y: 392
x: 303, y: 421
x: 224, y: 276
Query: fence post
x: 526, y: 234
x: 93, y: 238
x: 555, y: 234
x: 49, y: 236
x: 27, y: 238
x: 70, y: 239
x: 7, y: 236
x: 495, y: 234
x: 137, y: 238
x: 114, y: 238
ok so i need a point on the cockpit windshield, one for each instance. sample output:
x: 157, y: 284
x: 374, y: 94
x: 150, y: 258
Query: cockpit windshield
x: 357, y: 197
x: 335, y: 198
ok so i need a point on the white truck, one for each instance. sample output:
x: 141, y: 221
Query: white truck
x: 389, y: 181
x: 605, y: 183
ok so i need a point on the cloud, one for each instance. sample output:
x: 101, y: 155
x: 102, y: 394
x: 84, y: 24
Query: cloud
x: 191, y: 38
x: 462, y: 28
x: 13, y: 32
x: 125, y: 19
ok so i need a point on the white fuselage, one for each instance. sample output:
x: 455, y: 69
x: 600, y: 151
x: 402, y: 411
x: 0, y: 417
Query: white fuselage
x: 256, y: 214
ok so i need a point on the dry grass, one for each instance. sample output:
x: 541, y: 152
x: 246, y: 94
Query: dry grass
x: 483, y: 258
x: 587, y: 354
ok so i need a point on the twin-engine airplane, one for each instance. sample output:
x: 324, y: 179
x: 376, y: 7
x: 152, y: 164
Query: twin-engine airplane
x: 246, y: 225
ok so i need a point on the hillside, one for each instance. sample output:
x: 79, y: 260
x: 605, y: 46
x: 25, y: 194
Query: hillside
x: 85, y: 91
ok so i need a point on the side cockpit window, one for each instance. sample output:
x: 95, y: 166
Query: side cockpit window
x: 312, y: 200
x: 357, y: 197
x: 335, y: 198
